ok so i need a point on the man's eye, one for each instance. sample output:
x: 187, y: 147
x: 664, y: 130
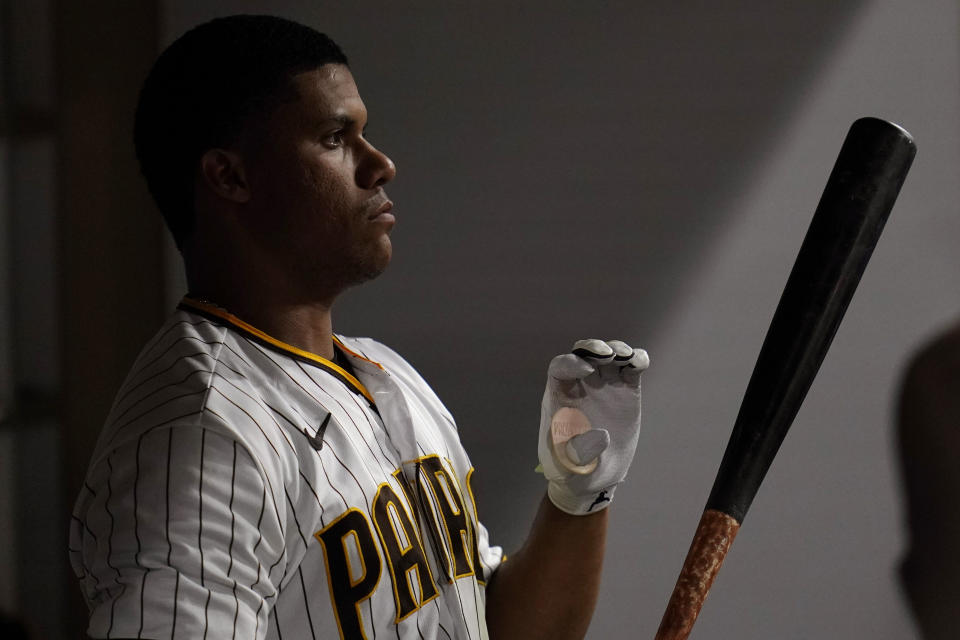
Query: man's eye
x: 334, y: 139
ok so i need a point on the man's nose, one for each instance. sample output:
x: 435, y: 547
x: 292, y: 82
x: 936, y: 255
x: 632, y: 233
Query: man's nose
x: 376, y: 169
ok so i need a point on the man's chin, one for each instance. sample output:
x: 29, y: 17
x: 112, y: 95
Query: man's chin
x: 373, y: 265
x: 339, y: 274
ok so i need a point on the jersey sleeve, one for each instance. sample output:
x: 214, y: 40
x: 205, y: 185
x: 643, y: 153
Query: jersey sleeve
x: 491, y: 556
x: 176, y: 533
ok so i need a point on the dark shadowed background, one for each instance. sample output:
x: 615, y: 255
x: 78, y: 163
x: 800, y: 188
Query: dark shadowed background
x: 565, y: 169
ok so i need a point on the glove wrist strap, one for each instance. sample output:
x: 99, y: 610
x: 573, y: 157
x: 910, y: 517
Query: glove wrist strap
x: 576, y: 505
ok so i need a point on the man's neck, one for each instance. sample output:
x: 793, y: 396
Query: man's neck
x: 306, y: 326
x: 258, y: 291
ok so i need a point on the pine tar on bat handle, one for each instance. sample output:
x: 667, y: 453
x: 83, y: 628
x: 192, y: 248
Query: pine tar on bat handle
x: 846, y: 226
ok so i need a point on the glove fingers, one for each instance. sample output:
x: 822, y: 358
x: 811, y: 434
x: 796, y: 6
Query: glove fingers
x: 622, y: 355
x: 588, y: 446
x: 635, y: 366
x: 595, y: 351
x: 639, y: 360
x: 569, y: 367
x: 622, y: 352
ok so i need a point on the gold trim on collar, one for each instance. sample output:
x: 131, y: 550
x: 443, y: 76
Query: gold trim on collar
x: 228, y: 317
x: 355, y: 354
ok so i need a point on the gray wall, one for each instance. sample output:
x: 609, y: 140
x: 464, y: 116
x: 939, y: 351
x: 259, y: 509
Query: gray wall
x: 647, y: 172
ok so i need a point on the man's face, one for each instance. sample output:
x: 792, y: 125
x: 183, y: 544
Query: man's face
x: 316, y: 184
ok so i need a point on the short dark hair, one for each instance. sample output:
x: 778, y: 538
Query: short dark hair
x: 203, y: 91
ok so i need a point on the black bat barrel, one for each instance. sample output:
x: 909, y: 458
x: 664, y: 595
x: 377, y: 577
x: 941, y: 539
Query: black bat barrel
x: 856, y: 202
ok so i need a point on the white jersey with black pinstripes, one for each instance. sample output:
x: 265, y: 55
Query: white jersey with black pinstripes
x: 242, y: 488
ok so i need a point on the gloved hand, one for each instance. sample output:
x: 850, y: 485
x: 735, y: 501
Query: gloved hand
x: 589, y: 423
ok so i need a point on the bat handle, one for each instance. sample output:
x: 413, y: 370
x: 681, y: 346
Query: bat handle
x: 713, y: 538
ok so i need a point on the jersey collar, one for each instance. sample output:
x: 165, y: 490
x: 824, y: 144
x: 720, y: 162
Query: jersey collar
x: 222, y: 316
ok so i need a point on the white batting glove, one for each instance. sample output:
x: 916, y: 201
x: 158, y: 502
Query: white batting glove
x: 589, y: 423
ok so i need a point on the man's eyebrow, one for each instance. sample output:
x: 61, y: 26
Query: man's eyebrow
x: 343, y: 120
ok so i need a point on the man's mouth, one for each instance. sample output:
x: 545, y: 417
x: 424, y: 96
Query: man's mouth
x: 383, y: 212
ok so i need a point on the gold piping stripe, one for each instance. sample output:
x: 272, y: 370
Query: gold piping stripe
x: 355, y: 354
x: 234, y: 320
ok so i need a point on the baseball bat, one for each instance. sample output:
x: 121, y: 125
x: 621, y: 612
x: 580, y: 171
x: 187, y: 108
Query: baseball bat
x: 846, y: 226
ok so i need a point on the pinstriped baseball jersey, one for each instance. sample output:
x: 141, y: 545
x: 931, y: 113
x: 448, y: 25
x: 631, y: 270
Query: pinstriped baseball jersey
x: 242, y: 488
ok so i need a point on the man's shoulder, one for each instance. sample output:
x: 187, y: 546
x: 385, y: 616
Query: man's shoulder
x: 182, y: 332
x: 170, y: 383
x: 194, y: 340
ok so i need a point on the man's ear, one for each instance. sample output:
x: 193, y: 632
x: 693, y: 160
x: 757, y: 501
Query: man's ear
x: 224, y: 174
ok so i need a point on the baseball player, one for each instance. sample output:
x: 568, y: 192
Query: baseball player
x: 260, y: 476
